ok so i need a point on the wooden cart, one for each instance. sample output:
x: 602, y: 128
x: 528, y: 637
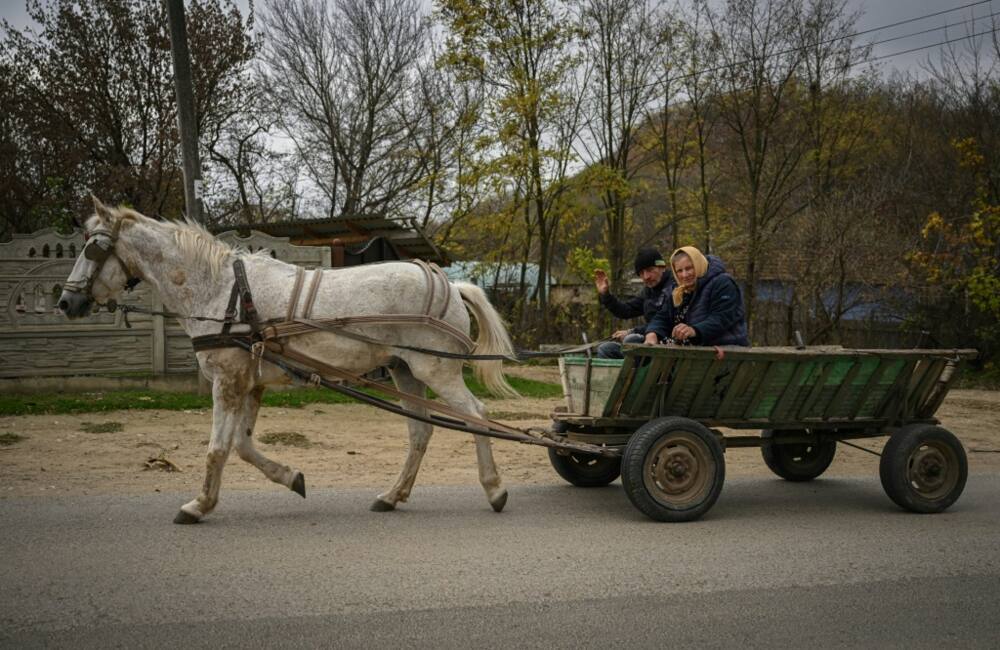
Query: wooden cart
x: 664, y: 403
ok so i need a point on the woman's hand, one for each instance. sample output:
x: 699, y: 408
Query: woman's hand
x: 652, y: 339
x: 601, y: 281
x: 682, y: 332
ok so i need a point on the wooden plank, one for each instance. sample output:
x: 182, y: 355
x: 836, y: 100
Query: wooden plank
x: 744, y: 373
x: 892, y: 403
x: 873, y: 380
x: 917, y: 380
x: 786, y: 353
x: 844, y: 389
x: 792, y: 389
x: 707, y: 384
x: 641, y: 396
x: 620, y: 389
x: 681, y: 372
x: 943, y: 385
x: 817, y: 388
x: 772, y: 369
x: 926, y: 384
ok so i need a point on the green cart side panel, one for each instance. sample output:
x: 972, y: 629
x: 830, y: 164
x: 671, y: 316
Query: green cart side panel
x: 876, y: 394
x: 771, y: 389
x: 764, y: 387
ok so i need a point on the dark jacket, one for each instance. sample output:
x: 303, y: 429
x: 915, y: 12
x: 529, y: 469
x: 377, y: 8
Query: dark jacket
x: 646, y: 304
x: 716, y: 311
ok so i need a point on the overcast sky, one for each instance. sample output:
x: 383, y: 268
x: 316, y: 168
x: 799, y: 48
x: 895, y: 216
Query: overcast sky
x: 876, y: 14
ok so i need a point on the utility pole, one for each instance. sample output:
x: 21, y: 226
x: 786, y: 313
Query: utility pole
x: 186, y: 123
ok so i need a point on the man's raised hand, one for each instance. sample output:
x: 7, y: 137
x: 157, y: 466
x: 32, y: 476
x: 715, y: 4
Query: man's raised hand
x: 601, y: 281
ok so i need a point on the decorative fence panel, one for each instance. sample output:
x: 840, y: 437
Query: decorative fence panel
x: 36, y: 340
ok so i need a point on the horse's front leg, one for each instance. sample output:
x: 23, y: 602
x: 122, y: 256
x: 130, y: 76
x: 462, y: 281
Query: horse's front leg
x: 282, y: 474
x: 228, y: 415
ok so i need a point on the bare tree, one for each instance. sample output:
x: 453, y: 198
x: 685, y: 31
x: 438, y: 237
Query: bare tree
x: 758, y: 46
x: 347, y: 76
x: 622, y: 43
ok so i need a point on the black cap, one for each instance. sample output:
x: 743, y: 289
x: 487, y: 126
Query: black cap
x: 647, y: 257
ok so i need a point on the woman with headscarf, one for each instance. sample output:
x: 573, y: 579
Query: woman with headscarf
x: 705, y: 306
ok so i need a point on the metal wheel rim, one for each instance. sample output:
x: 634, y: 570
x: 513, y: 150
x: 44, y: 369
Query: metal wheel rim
x: 590, y: 464
x: 932, y: 470
x: 800, y: 453
x: 679, y: 470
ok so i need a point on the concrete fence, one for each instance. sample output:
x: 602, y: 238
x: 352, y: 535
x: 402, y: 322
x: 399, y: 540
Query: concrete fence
x: 37, y: 341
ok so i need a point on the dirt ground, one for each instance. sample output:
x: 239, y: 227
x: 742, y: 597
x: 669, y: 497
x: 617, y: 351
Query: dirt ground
x: 348, y: 445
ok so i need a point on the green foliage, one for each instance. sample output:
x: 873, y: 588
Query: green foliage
x: 961, y: 257
x: 581, y: 263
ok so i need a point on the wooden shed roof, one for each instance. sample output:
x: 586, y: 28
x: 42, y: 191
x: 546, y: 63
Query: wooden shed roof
x: 355, y: 232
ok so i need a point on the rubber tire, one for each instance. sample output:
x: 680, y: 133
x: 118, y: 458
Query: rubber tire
x: 894, y: 466
x: 585, y: 470
x: 781, y: 459
x: 644, y: 441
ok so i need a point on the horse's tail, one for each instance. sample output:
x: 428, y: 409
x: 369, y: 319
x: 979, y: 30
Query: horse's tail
x: 493, y: 339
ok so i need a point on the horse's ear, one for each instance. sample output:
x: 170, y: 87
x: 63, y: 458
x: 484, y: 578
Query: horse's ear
x: 100, y: 209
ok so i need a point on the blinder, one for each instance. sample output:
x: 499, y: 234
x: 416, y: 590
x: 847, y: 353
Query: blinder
x: 99, y: 247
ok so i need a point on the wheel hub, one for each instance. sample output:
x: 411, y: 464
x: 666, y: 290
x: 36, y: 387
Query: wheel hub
x: 679, y: 469
x: 928, y: 469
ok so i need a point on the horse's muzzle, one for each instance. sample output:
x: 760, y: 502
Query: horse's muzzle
x: 74, y: 304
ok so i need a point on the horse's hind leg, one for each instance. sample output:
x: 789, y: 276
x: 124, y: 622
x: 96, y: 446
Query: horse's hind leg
x: 292, y: 479
x: 420, y: 435
x: 451, y: 387
x: 228, y: 415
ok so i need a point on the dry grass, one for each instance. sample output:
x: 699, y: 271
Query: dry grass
x: 287, y: 438
x: 7, y: 438
x: 101, y: 427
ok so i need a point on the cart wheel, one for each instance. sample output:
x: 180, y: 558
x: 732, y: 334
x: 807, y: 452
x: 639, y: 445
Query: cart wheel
x: 923, y: 468
x: 673, y: 469
x: 585, y: 470
x: 797, y: 461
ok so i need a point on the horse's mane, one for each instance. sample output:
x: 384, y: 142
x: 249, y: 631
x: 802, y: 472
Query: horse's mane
x: 192, y: 240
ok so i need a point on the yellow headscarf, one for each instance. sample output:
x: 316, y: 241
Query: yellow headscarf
x: 700, y: 268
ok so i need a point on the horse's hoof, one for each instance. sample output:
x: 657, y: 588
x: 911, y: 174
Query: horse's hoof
x: 299, y: 484
x: 184, y: 517
x: 499, y: 502
x: 382, y: 506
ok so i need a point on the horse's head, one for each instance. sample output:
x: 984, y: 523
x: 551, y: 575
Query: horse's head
x: 92, y: 280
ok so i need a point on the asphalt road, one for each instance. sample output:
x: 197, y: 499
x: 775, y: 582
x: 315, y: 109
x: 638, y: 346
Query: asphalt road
x: 827, y: 564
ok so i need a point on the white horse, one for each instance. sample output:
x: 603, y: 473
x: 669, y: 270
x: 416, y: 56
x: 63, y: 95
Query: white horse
x: 193, y: 274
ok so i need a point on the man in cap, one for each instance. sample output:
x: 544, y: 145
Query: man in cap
x: 651, y: 269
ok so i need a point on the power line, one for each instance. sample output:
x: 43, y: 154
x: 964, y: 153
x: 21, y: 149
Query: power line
x: 833, y: 40
x: 927, y: 31
x: 924, y: 47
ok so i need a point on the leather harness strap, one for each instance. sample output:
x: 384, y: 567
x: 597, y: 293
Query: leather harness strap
x: 294, y: 302
x: 447, y: 288
x: 313, y: 289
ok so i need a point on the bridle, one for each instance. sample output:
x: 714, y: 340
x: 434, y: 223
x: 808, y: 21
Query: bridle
x: 99, y: 247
